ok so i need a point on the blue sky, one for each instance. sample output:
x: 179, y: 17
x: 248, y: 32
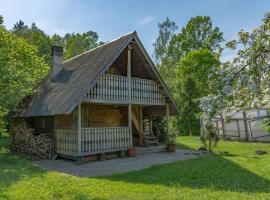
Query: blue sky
x: 113, y: 18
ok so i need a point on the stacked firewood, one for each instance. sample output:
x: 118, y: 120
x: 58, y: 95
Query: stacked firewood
x: 26, y: 140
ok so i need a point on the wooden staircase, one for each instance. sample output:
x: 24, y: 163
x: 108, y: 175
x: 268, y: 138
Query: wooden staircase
x: 150, y: 138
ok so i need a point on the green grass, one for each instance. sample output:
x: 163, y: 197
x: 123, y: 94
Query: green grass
x: 234, y: 172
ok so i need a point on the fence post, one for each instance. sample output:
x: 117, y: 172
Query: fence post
x: 223, y: 126
x: 245, y: 124
x: 238, y: 129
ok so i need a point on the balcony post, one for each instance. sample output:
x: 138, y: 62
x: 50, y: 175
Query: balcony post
x: 79, y: 129
x: 129, y: 94
x: 167, y: 120
x: 141, y: 126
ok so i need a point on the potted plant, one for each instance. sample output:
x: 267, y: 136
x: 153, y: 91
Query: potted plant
x: 171, y: 145
x: 132, y: 152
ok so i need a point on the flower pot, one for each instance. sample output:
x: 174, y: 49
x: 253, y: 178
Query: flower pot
x: 171, y: 147
x: 132, y: 152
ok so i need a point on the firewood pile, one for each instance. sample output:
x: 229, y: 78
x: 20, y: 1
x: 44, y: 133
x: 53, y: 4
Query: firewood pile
x: 25, y: 140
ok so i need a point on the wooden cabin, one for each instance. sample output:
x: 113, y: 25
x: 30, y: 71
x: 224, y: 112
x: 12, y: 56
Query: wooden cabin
x: 100, y: 101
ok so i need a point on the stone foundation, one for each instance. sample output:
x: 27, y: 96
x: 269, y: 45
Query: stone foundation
x: 25, y: 140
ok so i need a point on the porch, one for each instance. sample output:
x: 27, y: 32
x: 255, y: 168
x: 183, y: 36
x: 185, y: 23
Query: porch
x: 94, y: 129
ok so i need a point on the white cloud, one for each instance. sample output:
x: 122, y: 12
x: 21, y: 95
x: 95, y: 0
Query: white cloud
x: 146, y: 20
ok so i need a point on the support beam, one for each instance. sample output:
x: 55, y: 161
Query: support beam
x: 130, y: 123
x: 141, y: 126
x: 129, y: 94
x: 167, y: 120
x: 79, y: 129
x: 129, y: 72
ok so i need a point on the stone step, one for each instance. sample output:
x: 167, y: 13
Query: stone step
x: 150, y: 149
x: 152, y: 142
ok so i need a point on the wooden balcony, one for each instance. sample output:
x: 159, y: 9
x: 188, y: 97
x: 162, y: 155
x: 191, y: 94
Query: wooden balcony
x: 93, y: 140
x: 114, y: 89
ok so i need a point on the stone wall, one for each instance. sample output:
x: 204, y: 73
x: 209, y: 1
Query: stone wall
x: 26, y: 140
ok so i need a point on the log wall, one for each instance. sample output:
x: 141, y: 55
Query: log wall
x: 104, y: 115
x: 63, y: 121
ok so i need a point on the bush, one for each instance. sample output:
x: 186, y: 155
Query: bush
x: 209, y: 136
x: 160, y: 124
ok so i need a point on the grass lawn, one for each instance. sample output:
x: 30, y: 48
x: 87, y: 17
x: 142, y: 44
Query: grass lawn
x: 235, y: 174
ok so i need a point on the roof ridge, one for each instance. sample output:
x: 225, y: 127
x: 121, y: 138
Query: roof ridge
x: 130, y: 33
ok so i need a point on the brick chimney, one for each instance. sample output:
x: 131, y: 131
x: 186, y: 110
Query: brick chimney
x: 57, y: 60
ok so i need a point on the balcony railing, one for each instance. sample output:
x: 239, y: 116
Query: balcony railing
x: 113, y: 88
x: 93, y: 140
x: 66, y: 141
x: 99, y: 140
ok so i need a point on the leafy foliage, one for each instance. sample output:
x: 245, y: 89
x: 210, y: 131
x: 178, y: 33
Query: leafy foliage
x: 246, y: 79
x: 160, y: 126
x: 203, y: 66
x: 189, y: 63
x: 199, y: 33
x: 188, y: 122
x: 76, y: 44
x: 35, y: 36
x: 21, y: 70
x: 266, y: 125
x: 209, y: 136
x: 166, y: 33
x: 196, y: 77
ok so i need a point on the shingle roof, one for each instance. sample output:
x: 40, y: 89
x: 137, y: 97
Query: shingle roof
x: 79, y: 74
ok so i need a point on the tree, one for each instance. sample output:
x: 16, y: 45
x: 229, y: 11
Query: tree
x: 189, y: 56
x: 246, y: 78
x: 35, y: 36
x: 199, y: 33
x: 166, y: 32
x: 209, y: 136
x: 78, y: 43
x: 197, y: 76
x: 57, y: 40
x: 73, y: 44
x: 188, y: 123
x: 21, y: 70
x: 203, y: 67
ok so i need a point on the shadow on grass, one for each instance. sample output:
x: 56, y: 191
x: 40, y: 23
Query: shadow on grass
x: 213, y: 172
x: 14, y: 167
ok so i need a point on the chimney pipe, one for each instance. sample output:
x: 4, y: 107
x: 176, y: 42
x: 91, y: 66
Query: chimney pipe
x: 57, y: 60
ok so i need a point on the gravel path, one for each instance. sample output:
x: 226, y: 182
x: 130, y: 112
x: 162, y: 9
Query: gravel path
x: 118, y: 165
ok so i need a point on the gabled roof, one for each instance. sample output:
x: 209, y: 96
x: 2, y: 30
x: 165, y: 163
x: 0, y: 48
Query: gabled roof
x: 78, y: 76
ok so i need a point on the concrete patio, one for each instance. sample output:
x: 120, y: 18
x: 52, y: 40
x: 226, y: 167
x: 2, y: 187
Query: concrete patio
x: 118, y: 165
